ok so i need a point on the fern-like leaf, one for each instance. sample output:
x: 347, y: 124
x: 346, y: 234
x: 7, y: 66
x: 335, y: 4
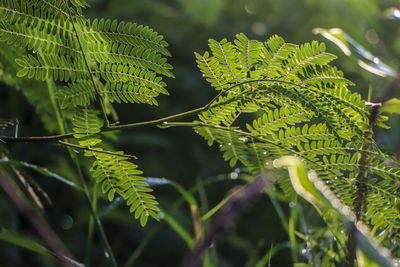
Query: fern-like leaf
x: 113, y: 171
x: 300, y: 106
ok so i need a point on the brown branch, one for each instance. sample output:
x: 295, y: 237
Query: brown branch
x: 41, y: 226
x: 226, y: 217
x: 35, y: 139
x: 194, y: 210
x: 362, y: 177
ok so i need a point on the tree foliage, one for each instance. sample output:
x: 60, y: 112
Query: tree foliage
x: 273, y: 99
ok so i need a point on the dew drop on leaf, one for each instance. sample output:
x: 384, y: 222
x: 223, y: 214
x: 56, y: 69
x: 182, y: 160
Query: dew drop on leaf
x: 106, y: 254
x: 234, y: 175
x: 66, y: 222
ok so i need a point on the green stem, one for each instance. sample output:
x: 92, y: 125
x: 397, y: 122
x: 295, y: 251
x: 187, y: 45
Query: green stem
x: 103, y: 236
x: 194, y: 209
x: 158, y: 121
x: 292, y: 236
x: 178, y: 229
x: 60, y: 120
x: 142, y: 245
x: 216, y: 208
x: 99, y: 97
x: 51, y: 89
x: 89, y: 244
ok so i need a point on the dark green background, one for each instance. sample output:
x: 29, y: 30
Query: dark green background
x: 179, y: 154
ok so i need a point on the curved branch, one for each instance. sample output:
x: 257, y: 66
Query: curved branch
x: 35, y: 139
x: 54, y: 138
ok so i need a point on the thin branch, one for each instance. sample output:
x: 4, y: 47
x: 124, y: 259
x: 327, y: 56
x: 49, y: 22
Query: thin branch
x: 99, y: 97
x: 158, y: 121
x: 35, y: 139
x: 55, y: 138
x: 51, y: 138
x: 96, y: 150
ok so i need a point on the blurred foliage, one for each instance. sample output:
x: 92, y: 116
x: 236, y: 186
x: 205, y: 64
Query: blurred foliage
x: 180, y: 155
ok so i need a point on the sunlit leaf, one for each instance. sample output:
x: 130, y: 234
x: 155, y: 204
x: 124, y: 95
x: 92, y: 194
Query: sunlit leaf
x: 391, y: 106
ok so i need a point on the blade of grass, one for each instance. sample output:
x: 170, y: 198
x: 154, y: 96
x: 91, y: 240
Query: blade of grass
x: 266, y: 259
x: 142, y: 246
x: 29, y: 244
x: 194, y: 208
x: 292, y: 235
x: 178, y: 229
x: 162, y: 181
x: 89, y: 243
x: 41, y: 170
x: 215, y: 209
x: 23, y: 242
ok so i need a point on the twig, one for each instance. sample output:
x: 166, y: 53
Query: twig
x: 54, y: 138
x: 158, y: 121
x: 35, y: 139
x: 96, y: 150
x: 44, y: 139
